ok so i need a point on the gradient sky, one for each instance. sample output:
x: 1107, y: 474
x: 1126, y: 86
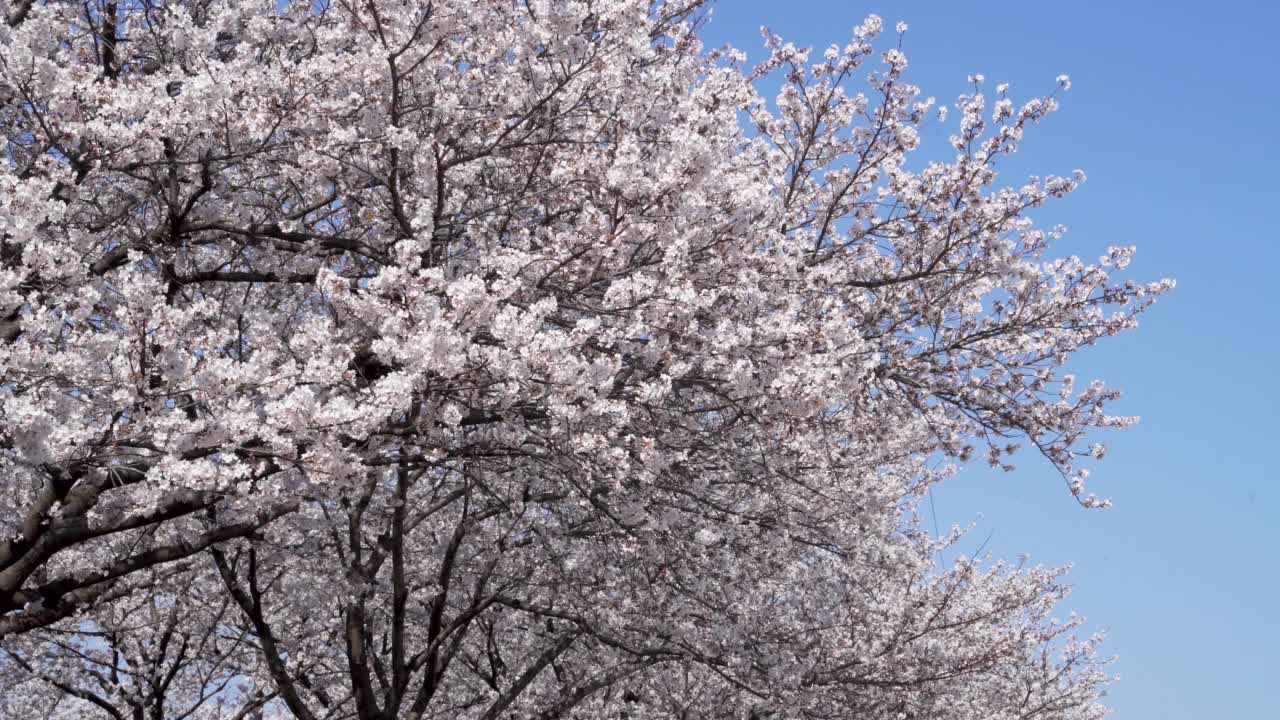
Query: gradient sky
x: 1174, y: 115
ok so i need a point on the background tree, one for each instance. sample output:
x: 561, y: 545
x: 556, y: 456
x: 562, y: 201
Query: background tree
x: 165, y: 652
x: 484, y: 364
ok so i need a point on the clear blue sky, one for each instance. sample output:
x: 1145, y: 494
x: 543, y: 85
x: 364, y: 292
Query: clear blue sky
x: 1175, y: 116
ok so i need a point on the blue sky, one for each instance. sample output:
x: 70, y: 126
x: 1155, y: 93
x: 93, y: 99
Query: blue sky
x: 1174, y: 115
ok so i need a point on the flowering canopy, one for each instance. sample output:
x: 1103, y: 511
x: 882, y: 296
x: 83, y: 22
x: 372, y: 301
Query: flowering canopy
x: 401, y: 359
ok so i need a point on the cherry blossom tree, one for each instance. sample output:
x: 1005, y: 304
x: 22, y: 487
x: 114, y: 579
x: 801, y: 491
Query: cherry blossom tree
x: 519, y: 358
x: 165, y: 652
